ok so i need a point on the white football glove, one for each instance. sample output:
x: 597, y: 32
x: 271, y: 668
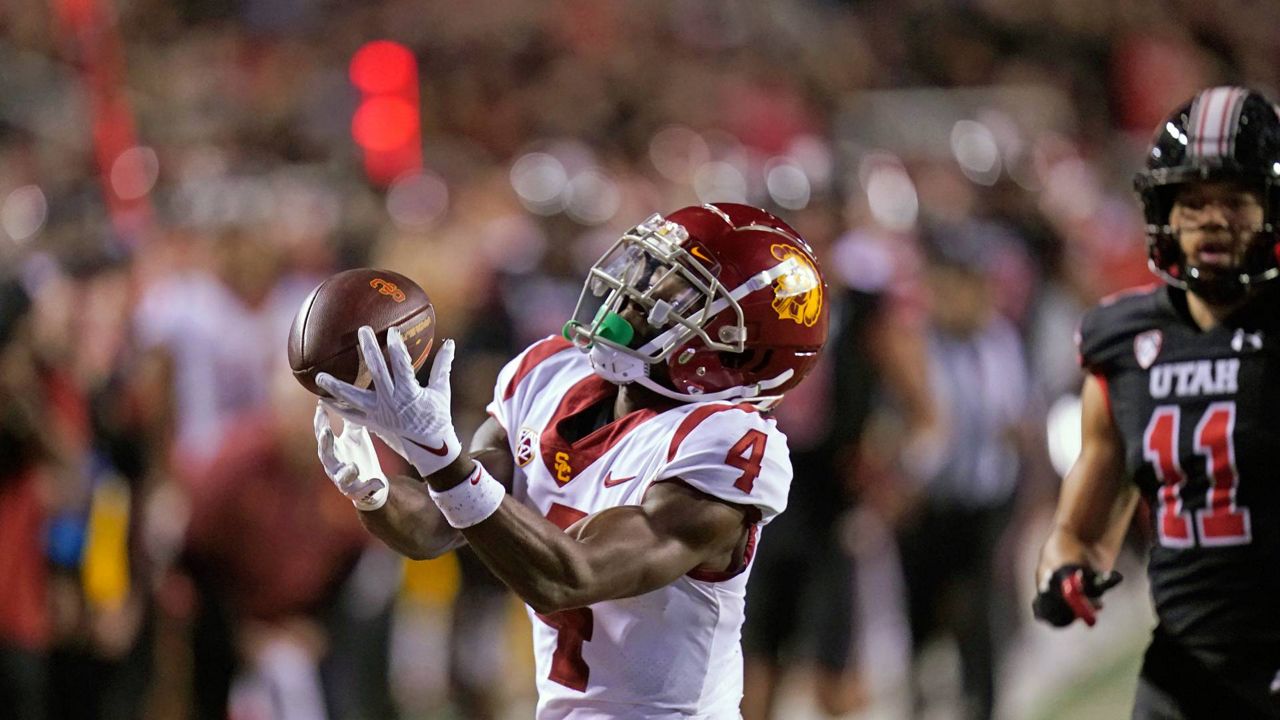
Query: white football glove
x: 414, y: 420
x: 351, y: 462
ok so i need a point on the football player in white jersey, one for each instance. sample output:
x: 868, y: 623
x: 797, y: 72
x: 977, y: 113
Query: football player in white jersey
x: 637, y: 457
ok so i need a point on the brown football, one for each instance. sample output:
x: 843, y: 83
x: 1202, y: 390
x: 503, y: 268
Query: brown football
x: 323, y: 336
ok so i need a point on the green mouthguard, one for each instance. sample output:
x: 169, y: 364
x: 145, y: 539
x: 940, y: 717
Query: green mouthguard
x: 612, y: 327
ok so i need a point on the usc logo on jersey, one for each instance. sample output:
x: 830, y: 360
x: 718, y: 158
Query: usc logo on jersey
x: 564, y: 473
x: 798, y: 294
x: 386, y: 287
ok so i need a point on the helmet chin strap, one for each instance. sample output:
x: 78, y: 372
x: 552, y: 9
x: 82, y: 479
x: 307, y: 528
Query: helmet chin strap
x: 751, y: 393
x: 1221, y: 290
x: 616, y: 367
x: 622, y: 369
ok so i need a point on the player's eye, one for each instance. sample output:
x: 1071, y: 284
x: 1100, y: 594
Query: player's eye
x: 1241, y: 201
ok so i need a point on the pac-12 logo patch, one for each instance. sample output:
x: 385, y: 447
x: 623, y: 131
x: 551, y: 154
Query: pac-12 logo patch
x: 1146, y: 347
x: 526, y: 446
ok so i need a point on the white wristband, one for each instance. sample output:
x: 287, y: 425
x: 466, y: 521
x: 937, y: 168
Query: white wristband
x: 471, y: 501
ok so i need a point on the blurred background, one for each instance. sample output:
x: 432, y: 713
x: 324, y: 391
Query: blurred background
x: 176, y: 175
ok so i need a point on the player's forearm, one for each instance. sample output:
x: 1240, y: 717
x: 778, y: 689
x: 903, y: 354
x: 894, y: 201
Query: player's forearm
x: 1090, y: 525
x: 535, y: 558
x: 1093, y: 544
x: 1096, y: 502
x: 410, y: 523
x: 1108, y: 547
x: 548, y: 569
x: 584, y: 559
x: 1066, y: 547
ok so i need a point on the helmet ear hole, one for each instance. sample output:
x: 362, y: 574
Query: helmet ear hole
x: 1161, y: 203
x: 736, y: 361
x: 751, y: 360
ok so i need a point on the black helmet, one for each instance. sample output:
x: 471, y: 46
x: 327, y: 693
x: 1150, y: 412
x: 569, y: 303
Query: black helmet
x: 1223, y: 133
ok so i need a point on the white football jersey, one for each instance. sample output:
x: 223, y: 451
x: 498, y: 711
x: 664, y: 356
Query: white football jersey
x: 674, y: 652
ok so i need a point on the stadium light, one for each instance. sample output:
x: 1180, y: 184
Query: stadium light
x: 387, y: 124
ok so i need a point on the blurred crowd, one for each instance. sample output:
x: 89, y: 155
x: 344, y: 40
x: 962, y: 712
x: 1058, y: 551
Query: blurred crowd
x: 175, y: 176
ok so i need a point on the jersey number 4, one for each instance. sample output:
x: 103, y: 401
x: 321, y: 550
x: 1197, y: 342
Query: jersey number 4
x: 747, y: 455
x: 573, y: 627
x: 1221, y: 521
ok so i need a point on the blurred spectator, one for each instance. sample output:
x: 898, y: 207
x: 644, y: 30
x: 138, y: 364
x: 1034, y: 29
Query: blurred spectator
x: 949, y: 536
x: 73, y: 606
x: 211, y: 334
x: 25, y: 451
x: 800, y: 603
x: 271, y: 545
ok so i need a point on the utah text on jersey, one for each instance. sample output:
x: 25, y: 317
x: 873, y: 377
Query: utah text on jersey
x: 1195, y: 377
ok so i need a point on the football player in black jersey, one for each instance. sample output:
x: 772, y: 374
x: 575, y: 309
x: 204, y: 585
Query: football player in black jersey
x: 1182, y: 406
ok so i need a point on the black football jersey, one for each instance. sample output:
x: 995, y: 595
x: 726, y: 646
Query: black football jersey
x: 1199, y: 412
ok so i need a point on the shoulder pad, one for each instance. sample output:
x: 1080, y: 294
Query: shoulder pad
x: 1107, y: 332
x: 732, y: 453
x: 517, y: 370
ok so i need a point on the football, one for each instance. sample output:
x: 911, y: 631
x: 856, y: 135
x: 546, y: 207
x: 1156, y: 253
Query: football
x: 323, y: 336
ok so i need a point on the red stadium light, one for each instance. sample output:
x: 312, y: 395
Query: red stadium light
x: 384, y: 124
x: 387, y: 125
x: 382, y: 67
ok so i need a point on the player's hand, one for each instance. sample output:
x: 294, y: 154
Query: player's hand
x: 414, y: 420
x: 1072, y: 591
x: 351, y: 463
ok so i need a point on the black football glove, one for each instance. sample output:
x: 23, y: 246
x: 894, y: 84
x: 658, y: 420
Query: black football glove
x: 1073, y: 592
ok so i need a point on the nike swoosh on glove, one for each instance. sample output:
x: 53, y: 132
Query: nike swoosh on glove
x: 414, y: 420
x: 1072, y: 591
x: 351, y: 463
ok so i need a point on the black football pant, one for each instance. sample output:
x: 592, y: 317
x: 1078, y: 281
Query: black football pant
x: 23, y: 683
x: 800, y: 594
x: 948, y: 564
x: 1180, y: 683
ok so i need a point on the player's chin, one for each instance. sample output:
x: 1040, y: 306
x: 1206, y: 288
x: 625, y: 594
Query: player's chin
x: 1208, y: 270
x: 1214, y: 270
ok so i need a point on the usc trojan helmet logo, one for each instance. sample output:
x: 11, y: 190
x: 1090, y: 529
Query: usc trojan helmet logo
x: 798, y: 294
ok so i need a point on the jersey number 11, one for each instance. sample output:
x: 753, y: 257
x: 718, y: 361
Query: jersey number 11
x: 1221, y: 521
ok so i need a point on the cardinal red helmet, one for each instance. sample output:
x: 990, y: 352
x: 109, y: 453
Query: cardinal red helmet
x: 732, y: 299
